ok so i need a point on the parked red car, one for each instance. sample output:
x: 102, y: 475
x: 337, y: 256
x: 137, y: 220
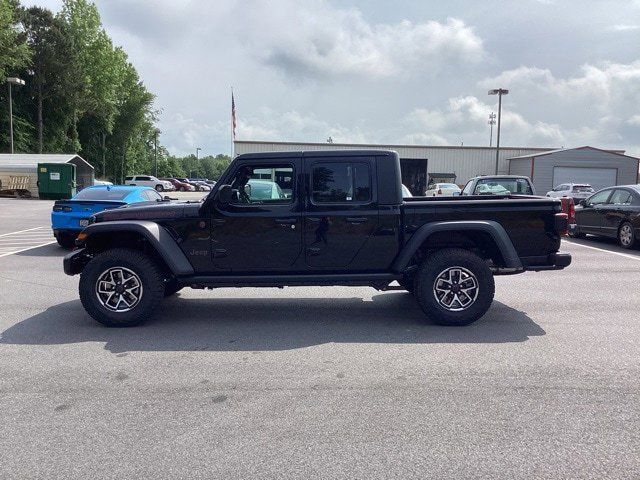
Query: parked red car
x: 180, y: 186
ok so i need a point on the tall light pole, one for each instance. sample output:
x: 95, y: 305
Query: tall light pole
x: 197, y: 160
x: 500, y: 92
x: 12, y: 81
x: 491, y: 122
x: 155, y: 152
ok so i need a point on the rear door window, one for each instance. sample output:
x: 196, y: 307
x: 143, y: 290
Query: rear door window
x: 341, y: 183
x: 620, y: 197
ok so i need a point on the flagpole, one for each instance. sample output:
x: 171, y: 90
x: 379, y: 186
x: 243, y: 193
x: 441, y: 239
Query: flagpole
x: 232, y: 132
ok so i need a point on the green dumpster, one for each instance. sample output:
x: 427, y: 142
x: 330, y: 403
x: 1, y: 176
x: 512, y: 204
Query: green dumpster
x: 56, y: 181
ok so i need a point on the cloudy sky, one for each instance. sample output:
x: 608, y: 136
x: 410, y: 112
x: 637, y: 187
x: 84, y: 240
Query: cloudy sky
x: 376, y: 71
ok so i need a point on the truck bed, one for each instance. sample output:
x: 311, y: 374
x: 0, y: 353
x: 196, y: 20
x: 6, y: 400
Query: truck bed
x: 528, y: 221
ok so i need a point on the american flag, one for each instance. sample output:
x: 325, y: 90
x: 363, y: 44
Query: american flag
x: 233, y: 115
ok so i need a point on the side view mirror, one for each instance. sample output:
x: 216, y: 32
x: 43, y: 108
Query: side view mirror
x: 224, y: 194
x: 583, y: 202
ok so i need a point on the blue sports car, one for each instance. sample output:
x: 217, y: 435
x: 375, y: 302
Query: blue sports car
x: 69, y: 217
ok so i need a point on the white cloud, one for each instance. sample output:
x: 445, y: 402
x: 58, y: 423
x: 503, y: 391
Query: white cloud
x: 316, y: 39
x: 294, y: 126
x: 464, y: 119
x: 624, y: 28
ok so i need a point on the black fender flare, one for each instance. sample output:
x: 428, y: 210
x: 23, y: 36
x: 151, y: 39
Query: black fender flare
x: 157, y: 236
x: 494, y: 229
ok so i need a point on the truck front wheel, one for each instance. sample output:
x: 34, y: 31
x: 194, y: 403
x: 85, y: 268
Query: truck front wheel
x: 454, y: 287
x: 121, y: 287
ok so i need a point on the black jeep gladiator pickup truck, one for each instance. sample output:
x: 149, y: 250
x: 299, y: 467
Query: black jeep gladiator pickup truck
x: 315, y: 218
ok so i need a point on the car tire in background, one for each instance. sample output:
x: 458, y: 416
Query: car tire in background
x: 121, y: 287
x: 454, y: 287
x: 183, y: 189
x: 66, y: 240
x: 626, y: 235
x: 576, y: 233
x: 159, y: 188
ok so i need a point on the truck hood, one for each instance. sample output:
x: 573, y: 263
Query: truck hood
x: 154, y: 211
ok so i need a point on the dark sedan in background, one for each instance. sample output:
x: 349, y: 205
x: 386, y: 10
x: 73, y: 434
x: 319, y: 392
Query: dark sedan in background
x: 612, y: 212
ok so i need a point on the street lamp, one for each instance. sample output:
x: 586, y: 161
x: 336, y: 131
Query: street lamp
x: 12, y: 81
x: 499, y: 92
x: 198, y: 153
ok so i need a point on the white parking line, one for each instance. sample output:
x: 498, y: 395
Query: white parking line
x: 21, y: 231
x: 25, y: 249
x: 604, y: 250
x: 23, y: 240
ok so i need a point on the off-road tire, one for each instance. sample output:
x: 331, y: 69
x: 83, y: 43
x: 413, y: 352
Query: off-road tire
x: 627, y: 230
x: 66, y: 240
x: 443, y: 261
x: 143, y: 266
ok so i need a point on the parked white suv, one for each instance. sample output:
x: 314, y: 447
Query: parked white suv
x: 577, y: 191
x: 149, y: 181
x: 442, y: 190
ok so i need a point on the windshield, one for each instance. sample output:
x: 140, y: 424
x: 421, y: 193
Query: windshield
x: 102, y: 194
x: 503, y: 186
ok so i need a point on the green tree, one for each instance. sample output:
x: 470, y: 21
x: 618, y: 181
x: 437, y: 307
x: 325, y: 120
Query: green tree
x: 14, y: 56
x: 52, y: 80
x: 14, y: 52
x: 100, y: 68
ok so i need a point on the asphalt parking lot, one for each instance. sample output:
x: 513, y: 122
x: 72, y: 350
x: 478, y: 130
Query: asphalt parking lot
x: 320, y: 382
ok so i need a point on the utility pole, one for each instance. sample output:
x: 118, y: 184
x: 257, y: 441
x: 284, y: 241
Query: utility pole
x: 500, y: 92
x: 491, y: 122
x: 12, y: 81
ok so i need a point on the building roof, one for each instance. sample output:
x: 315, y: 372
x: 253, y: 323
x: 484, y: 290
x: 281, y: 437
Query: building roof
x: 389, y: 145
x: 32, y: 159
x: 550, y: 152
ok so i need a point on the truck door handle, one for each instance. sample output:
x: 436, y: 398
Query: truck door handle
x: 356, y: 220
x: 286, y: 221
x: 218, y: 221
x: 313, y: 251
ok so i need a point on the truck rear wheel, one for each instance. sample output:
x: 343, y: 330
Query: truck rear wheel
x: 454, y: 287
x: 121, y: 287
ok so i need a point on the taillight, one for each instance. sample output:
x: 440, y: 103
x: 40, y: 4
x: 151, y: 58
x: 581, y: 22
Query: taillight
x: 561, y: 223
x: 572, y: 211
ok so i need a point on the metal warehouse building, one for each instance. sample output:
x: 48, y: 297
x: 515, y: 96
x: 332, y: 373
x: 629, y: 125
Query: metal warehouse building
x: 422, y: 165
x: 598, y: 168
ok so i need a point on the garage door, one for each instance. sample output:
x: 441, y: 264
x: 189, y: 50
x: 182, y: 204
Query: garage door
x: 596, y: 177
